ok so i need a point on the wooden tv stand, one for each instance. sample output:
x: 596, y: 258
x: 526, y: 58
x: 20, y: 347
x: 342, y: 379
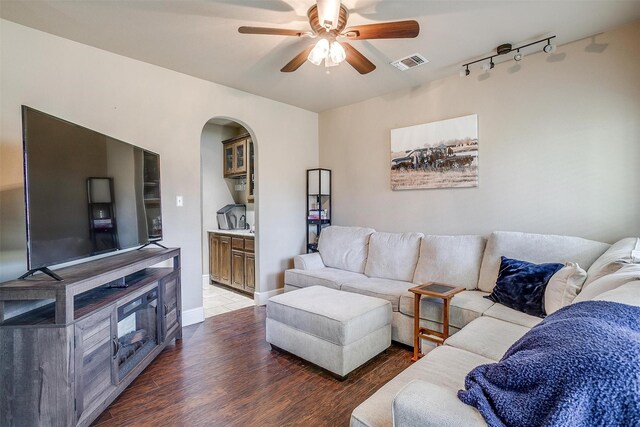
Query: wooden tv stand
x: 59, y: 363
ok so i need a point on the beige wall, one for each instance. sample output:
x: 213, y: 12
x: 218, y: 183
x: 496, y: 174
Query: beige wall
x: 163, y: 111
x: 215, y: 192
x: 559, y: 147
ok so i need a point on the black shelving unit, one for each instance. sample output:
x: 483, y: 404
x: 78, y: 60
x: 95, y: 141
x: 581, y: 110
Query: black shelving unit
x: 151, y: 197
x: 319, y: 209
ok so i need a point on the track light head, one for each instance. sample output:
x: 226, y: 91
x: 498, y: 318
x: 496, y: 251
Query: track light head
x: 549, y: 48
x: 488, y: 66
x: 518, y: 56
x: 465, y: 72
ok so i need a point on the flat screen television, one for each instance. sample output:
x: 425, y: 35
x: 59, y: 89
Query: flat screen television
x: 86, y: 193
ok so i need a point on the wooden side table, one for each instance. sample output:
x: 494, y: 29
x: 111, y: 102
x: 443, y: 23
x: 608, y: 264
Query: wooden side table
x: 434, y: 290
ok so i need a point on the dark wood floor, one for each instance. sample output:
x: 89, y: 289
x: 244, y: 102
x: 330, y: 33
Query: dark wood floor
x: 223, y: 373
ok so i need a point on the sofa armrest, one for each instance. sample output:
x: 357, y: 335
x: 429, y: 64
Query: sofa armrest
x: 423, y: 404
x: 312, y: 261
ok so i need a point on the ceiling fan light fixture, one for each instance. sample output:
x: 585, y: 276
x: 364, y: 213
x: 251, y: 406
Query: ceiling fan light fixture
x: 319, y: 52
x: 329, y: 13
x: 337, y: 53
x: 328, y: 62
x: 328, y: 20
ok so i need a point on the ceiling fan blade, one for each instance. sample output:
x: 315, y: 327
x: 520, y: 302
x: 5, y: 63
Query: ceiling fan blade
x: 271, y: 31
x: 385, y: 30
x: 296, y: 62
x: 357, y: 60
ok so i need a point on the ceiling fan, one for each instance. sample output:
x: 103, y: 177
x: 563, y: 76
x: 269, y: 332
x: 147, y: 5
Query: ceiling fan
x: 328, y: 21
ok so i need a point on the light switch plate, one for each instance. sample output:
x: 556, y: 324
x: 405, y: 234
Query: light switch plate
x: 179, y: 201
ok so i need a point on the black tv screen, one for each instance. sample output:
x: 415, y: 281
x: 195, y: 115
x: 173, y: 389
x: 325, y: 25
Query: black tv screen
x: 86, y: 193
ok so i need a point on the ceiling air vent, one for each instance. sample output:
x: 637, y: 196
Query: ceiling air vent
x: 410, y: 61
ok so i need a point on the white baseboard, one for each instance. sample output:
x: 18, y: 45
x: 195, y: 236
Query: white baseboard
x: 205, y: 281
x: 260, y: 298
x: 193, y: 316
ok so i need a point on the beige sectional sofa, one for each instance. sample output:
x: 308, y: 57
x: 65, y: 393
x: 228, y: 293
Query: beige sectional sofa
x: 386, y: 265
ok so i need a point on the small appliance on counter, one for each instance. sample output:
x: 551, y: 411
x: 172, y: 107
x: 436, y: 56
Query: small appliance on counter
x: 232, y: 217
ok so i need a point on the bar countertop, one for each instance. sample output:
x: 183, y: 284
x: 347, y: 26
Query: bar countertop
x: 244, y: 233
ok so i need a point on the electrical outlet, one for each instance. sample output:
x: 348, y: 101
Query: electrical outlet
x: 179, y: 201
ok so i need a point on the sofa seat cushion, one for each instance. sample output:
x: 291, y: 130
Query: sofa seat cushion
x: 390, y: 290
x: 536, y: 248
x: 488, y: 337
x: 501, y: 312
x: 345, y: 248
x: 445, y: 366
x: 338, y: 317
x: 465, y: 307
x: 423, y: 404
x: 328, y: 277
x: 393, y: 255
x: 454, y: 260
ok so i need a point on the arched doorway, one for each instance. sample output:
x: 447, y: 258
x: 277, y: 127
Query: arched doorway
x: 228, y: 154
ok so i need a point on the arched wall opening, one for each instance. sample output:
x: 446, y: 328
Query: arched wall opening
x: 230, y: 290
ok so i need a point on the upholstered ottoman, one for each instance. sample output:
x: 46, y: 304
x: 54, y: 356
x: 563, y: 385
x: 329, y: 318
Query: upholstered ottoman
x: 335, y: 330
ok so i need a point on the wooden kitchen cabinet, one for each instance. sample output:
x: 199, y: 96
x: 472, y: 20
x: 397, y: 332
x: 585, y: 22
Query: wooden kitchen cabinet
x: 232, y: 261
x: 251, y: 180
x: 237, y: 269
x: 235, y: 158
x: 228, y: 160
x: 225, y: 260
x: 214, y: 257
x: 250, y: 272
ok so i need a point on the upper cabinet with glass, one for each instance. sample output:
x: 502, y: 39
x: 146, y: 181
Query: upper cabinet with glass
x: 235, y: 156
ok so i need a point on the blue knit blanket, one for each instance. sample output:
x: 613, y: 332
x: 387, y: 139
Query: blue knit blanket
x: 579, y: 367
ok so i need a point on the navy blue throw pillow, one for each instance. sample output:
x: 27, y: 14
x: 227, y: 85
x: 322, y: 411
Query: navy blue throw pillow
x: 521, y: 285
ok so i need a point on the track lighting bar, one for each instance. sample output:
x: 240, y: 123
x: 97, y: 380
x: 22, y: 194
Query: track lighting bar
x: 503, y: 50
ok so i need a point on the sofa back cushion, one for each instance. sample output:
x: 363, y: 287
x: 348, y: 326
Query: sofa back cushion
x: 627, y: 273
x: 345, y: 247
x: 563, y: 287
x: 454, y: 260
x: 393, y: 255
x: 622, y: 252
x: 536, y: 248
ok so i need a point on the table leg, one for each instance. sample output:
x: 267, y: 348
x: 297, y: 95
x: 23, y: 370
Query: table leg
x: 445, y: 320
x: 416, y: 328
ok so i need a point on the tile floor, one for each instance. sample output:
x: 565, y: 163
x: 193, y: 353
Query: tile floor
x: 217, y: 300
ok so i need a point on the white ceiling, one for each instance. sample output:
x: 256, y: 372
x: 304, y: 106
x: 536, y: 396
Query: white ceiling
x: 200, y: 38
